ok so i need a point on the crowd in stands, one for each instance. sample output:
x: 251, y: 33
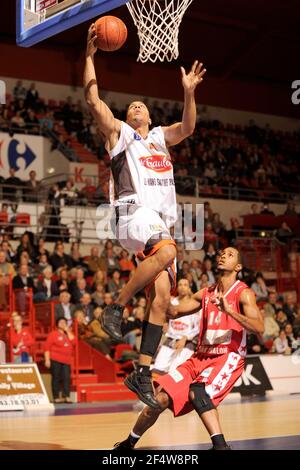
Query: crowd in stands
x: 229, y: 160
x: 229, y: 157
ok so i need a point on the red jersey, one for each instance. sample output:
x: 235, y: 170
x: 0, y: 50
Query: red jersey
x: 25, y: 337
x: 220, y: 333
x: 60, y: 347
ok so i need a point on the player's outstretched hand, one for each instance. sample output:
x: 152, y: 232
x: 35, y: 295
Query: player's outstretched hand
x: 191, y: 80
x: 91, y: 47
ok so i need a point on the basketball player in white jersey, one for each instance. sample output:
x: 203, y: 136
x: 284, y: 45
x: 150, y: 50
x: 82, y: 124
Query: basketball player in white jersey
x: 181, y: 337
x: 143, y: 193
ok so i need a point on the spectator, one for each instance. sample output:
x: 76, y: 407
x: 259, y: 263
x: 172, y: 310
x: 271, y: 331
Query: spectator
x: 21, y: 341
x: 32, y: 188
x: 110, y: 260
x: 100, y: 276
x: 26, y: 245
x: 207, y: 269
x: 70, y: 193
x: 296, y: 323
x: 43, y: 263
x: 18, y: 121
x: 64, y: 308
x: 58, y: 358
x: 76, y: 257
x: 260, y: 289
x: 32, y: 97
x: 291, y: 209
x: 116, y: 284
x: 63, y: 281
x: 272, y: 306
x: 266, y: 210
x: 131, y: 326
x: 204, y: 281
x: 192, y: 284
x: 47, y: 121
x: 79, y: 290
x: 254, y: 209
x: 281, y: 319
x: 47, y: 289
x: 60, y: 259
x: 32, y: 122
x: 108, y: 299
x: 19, y: 91
x: 11, y: 186
x: 56, y: 202
x: 97, y: 296
x: 271, y: 327
x: 41, y: 249
x: 94, y: 262
x: 288, y: 329
x: 255, y: 344
x: 284, y: 233
x: 208, y: 212
x: 209, y: 234
x: 217, y: 225
x: 96, y: 329
x: 8, y: 249
x: 195, y: 270
x: 86, y: 306
x: 281, y: 344
x: 290, y: 308
x: 211, y: 254
x: 88, y: 335
x: 126, y: 265
x: 23, y: 280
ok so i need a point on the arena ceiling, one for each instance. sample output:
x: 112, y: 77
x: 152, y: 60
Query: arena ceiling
x: 256, y: 41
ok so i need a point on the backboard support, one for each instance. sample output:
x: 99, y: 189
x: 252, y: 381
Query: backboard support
x: 38, y: 20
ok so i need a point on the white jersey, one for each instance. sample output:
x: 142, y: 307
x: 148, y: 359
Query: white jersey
x: 142, y: 171
x: 188, y: 326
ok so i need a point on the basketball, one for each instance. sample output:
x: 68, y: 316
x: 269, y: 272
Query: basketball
x: 111, y: 33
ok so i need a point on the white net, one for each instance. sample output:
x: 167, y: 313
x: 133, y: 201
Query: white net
x: 158, y: 22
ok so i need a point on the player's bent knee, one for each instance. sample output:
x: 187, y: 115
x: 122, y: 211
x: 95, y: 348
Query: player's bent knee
x: 163, y: 400
x: 200, y: 398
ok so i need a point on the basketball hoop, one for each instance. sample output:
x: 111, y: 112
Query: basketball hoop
x: 158, y: 22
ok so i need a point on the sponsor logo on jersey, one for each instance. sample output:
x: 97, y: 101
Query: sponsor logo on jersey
x: 137, y: 136
x: 158, y: 163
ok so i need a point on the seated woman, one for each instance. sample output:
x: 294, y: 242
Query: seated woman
x: 90, y: 336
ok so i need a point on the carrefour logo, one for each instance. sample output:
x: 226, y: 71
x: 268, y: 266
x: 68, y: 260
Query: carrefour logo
x: 12, y: 154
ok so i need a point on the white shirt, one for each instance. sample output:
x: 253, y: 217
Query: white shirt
x: 142, y: 168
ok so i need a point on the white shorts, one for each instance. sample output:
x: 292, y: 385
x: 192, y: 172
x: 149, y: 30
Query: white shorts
x: 168, y: 359
x: 137, y: 224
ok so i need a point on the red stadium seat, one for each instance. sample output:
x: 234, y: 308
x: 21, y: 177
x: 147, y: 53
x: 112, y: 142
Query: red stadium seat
x: 23, y: 219
x: 3, y: 218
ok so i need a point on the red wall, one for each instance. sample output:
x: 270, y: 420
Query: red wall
x: 118, y: 73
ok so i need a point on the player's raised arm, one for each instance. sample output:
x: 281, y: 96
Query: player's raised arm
x: 181, y: 130
x: 252, y: 319
x: 108, y: 125
x: 186, y: 307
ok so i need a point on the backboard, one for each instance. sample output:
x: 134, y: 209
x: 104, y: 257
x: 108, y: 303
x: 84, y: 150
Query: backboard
x: 40, y: 19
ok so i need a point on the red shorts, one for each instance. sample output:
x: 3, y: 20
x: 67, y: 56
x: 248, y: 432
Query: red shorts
x: 219, y: 373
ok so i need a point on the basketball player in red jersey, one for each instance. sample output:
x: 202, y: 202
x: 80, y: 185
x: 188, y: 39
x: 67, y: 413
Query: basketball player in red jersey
x: 142, y: 188
x: 229, y: 310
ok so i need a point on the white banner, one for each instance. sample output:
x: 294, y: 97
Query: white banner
x: 21, y: 388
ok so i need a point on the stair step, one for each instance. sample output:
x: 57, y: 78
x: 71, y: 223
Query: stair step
x: 86, y: 379
x: 105, y: 396
x: 114, y: 386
